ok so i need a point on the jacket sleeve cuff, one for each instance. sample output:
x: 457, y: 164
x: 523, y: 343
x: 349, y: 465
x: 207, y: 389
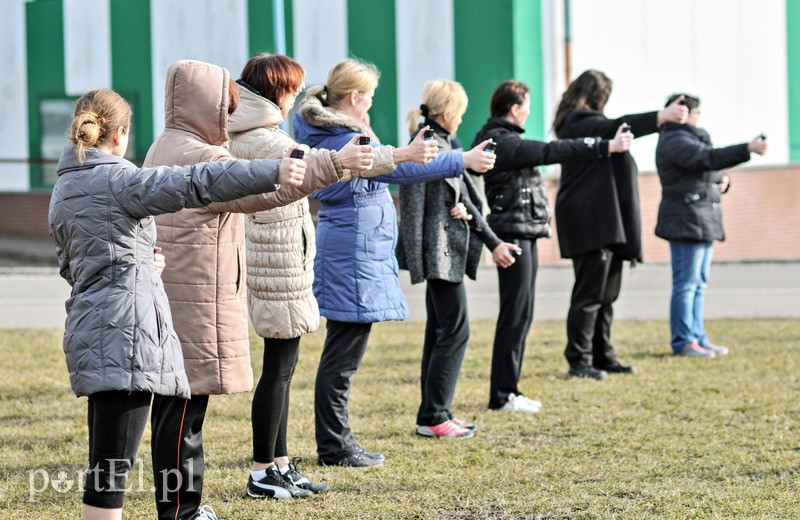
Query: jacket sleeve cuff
x: 602, y: 147
x: 342, y: 173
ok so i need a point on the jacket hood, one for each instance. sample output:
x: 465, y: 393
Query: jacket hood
x: 254, y: 111
x: 94, y: 157
x: 197, y: 100
x: 314, y: 122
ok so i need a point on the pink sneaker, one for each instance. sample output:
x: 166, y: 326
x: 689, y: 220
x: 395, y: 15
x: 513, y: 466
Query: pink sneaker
x: 446, y: 430
x: 692, y: 349
x: 464, y: 424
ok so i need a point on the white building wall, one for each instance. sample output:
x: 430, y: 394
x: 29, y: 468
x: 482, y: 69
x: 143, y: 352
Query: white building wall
x: 13, y: 98
x: 730, y: 53
x: 424, y: 52
x: 205, y: 30
x: 320, y: 36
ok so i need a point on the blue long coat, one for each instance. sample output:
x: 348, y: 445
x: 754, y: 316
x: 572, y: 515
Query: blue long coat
x: 355, y: 271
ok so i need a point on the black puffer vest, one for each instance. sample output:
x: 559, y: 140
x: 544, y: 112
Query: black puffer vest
x: 516, y: 196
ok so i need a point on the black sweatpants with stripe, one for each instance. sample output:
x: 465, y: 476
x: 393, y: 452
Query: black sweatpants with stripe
x: 178, y: 463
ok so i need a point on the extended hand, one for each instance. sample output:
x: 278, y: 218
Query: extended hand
x: 675, y: 112
x: 354, y: 156
x: 622, y: 140
x: 292, y: 172
x: 418, y: 151
x: 757, y: 145
x: 478, y: 160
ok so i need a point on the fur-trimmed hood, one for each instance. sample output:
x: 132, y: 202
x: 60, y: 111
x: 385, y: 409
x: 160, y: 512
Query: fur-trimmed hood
x: 322, y: 121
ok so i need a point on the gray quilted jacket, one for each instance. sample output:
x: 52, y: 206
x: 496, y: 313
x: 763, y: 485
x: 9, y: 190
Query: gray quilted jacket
x: 118, y: 332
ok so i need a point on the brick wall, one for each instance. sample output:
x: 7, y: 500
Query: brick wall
x: 761, y: 215
x: 24, y: 214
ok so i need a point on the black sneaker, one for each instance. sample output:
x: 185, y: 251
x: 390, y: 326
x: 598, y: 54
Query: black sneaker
x: 299, y: 480
x: 359, y: 459
x: 617, y: 368
x: 274, y: 486
x: 585, y: 371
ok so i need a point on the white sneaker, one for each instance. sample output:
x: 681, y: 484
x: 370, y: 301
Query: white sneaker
x: 520, y: 403
x: 206, y: 513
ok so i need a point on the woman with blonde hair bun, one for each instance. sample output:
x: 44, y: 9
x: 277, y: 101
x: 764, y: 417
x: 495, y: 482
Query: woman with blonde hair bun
x: 442, y: 232
x: 119, y: 340
x: 358, y: 228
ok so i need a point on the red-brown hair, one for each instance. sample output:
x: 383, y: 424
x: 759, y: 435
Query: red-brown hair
x: 233, y: 97
x: 273, y: 75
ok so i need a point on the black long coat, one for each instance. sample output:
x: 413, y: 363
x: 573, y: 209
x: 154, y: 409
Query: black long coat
x: 597, y: 205
x: 689, y: 170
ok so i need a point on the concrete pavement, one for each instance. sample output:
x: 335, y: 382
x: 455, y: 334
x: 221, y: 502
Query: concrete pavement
x: 34, y: 296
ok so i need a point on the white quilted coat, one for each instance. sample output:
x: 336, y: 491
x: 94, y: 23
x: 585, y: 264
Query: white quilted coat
x: 280, y: 242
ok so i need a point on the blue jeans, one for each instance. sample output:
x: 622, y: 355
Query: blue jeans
x: 691, y: 262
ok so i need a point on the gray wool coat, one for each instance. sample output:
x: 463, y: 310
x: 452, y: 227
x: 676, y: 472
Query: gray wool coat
x: 118, y: 332
x: 432, y: 245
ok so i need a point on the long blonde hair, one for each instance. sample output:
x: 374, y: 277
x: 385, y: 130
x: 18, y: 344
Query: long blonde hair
x: 347, y: 76
x: 97, y: 114
x: 439, y: 97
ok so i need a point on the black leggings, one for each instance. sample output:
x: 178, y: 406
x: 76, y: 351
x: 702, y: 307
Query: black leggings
x: 116, y: 423
x: 270, y: 409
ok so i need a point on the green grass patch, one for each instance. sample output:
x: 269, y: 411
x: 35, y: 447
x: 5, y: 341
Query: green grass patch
x: 684, y: 438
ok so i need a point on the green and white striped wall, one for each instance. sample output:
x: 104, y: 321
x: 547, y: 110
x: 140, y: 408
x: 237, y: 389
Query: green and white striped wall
x: 54, y: 50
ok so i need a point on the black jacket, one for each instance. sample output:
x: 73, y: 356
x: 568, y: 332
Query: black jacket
x: 688, y: 168
x: 432, y: 245
x: 597, y: 205
x: 514, y: 188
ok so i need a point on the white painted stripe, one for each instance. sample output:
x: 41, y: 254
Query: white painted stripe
x: 279, y: 25
x: 320, y: 36
x: 87, y: 45
x: 14, y: 96
x: 205, y: 30
x: 424, y: 52
x: 553, y: 58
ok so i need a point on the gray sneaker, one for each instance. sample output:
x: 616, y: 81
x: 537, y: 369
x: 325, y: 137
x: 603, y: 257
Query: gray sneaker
x: 716, y: 349
x: 692, y: 349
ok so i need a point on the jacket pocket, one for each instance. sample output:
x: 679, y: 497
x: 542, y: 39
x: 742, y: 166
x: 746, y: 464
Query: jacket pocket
x: 541, y: 206
x: 240, y: 269
x: 309, y: 243
x: 376, y: 232
x: 498, y: 203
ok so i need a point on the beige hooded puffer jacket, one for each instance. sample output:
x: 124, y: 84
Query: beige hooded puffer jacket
x: 204, y: 248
